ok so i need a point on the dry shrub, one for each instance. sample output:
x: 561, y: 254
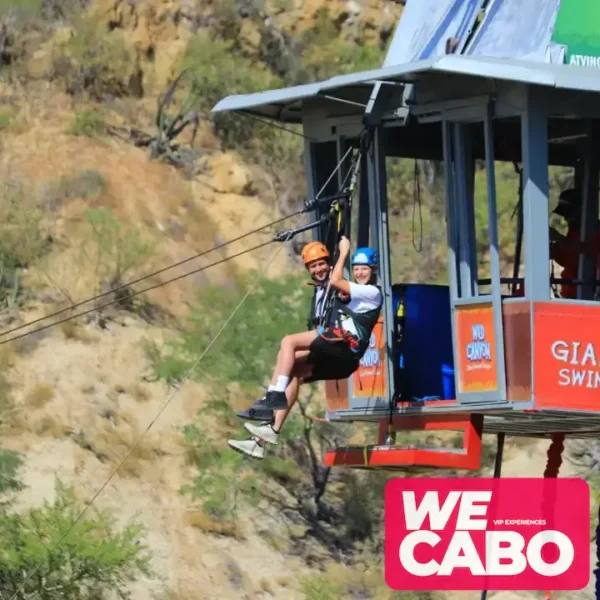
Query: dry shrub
x: 9, y: 415
x: 140, y: 393
x: 115, y: 437
x: 200, y: 520
x: 277, y: 542
x: 266, y: 585
x: 49, y: 426
x: 92, y: 61
x: 39, y: 395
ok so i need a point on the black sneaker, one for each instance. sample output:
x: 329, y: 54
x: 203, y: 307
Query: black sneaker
x: 276, y: 400
x: 259, y: 411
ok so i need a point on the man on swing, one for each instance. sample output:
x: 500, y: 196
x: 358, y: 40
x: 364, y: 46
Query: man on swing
x: 329, y: 352
x: 317, y: 261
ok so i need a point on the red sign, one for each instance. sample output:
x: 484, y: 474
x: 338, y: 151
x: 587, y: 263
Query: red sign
x: 476, y: 348
x: 369, y: 379
x: 487, y: 534
x: 567, y: 356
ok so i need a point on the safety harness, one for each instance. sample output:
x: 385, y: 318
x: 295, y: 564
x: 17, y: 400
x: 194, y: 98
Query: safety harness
x: 364, y: 323
x: 326, y: 303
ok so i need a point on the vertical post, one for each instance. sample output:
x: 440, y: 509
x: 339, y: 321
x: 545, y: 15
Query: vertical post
x: 589, y: 212
x: 342, y: 147
x: 469, y: 170
x: 534, y: 129
x: 379, y: 207
x: 465, y: 224
x: 451, y: 222
x: 494, y: 250
x: 362, y: 234
x: 311, y: 185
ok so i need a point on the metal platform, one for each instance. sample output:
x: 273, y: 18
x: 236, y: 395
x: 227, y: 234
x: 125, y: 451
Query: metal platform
x: 543, y: 424
x: 524, y: 423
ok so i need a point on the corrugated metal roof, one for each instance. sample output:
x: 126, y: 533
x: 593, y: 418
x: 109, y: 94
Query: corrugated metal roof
x: 274, y: 103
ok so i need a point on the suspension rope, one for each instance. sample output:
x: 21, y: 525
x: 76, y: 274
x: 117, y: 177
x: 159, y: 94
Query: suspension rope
x: 149, y: 275
x: 165, y: 405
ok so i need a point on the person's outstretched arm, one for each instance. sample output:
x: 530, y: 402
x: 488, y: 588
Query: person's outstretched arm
x: 337, y: 275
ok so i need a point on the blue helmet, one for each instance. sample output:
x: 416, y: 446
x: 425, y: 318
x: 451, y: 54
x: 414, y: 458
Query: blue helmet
x: 364, y: 256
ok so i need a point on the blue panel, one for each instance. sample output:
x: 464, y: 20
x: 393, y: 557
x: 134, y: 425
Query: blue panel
x: 516, y: 29
x: 426, y: 362
x: 425, y: 25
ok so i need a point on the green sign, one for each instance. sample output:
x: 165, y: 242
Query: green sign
x: 578, y: 28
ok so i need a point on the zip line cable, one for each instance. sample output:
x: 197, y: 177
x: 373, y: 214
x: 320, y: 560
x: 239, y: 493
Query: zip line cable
x: 291, y: 233
x: 152, y: 287
x: 165, y: 405
x: 125, y: 285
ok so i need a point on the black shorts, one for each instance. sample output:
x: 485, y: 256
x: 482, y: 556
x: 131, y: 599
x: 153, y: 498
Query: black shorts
x: 331, y: 360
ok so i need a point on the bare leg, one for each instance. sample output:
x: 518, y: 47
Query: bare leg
x: 291, y: 392
x: 301, y: 370
x: 291, y: 346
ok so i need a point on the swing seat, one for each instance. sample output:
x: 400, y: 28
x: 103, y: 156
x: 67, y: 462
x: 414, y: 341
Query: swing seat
x: 397, y: 457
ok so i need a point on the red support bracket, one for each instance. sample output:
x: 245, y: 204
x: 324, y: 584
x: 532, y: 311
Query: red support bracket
x: 389, y: 457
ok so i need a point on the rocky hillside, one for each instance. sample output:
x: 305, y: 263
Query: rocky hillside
x: 99, y: 188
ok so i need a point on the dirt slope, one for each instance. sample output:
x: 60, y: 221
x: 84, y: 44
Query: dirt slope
x: 81, y: 389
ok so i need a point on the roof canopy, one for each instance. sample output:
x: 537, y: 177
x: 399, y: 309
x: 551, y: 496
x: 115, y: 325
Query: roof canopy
x: 353, y: 90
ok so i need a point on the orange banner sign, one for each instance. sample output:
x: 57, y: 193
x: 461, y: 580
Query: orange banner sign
x: 369, y: 379
x: 476, y: 349
x: 567, y: 356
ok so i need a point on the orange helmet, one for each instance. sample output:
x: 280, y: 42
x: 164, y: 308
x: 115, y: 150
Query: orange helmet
x: 314, y: 251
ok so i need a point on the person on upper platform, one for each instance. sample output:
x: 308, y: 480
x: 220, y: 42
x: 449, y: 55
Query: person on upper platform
x: 329, y: 352
x: 565, y: 250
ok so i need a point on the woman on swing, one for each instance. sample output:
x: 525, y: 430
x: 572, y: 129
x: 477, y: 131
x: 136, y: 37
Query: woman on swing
x: 330, y: 352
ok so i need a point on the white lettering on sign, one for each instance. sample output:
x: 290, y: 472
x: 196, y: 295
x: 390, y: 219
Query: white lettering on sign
x: 505, y: 552
x: 583, y: 60
x: 583, y: 358
x: 371, y: 357
x: 479, y: 348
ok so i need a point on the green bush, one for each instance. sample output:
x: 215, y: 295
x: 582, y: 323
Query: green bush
x: 113, y: 249
x: 20, y: 11
x: 246, y: 350
x: 320, y: 587
x: 89, y: 123
x: 94, y: 61
x: 215, y: 71
x: 10, y: 463
x: 22, y: 236
x: 87, y: 184
x: 92, y: 560
x: 221, y: 478
x: 324, y: 53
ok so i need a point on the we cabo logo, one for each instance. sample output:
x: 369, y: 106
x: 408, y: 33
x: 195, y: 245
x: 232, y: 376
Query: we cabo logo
x: 487, y: 534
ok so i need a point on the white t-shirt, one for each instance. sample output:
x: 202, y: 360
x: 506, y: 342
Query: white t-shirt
x: 363, y: 298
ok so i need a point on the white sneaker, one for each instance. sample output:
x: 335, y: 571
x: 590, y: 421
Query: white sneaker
x: 250, y: 447
x: 264, y: 431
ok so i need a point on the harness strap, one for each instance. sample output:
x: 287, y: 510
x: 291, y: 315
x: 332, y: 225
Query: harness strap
x: 339, y: 335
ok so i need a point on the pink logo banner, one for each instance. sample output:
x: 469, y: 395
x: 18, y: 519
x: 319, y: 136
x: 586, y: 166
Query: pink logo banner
x: 487, y: 534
